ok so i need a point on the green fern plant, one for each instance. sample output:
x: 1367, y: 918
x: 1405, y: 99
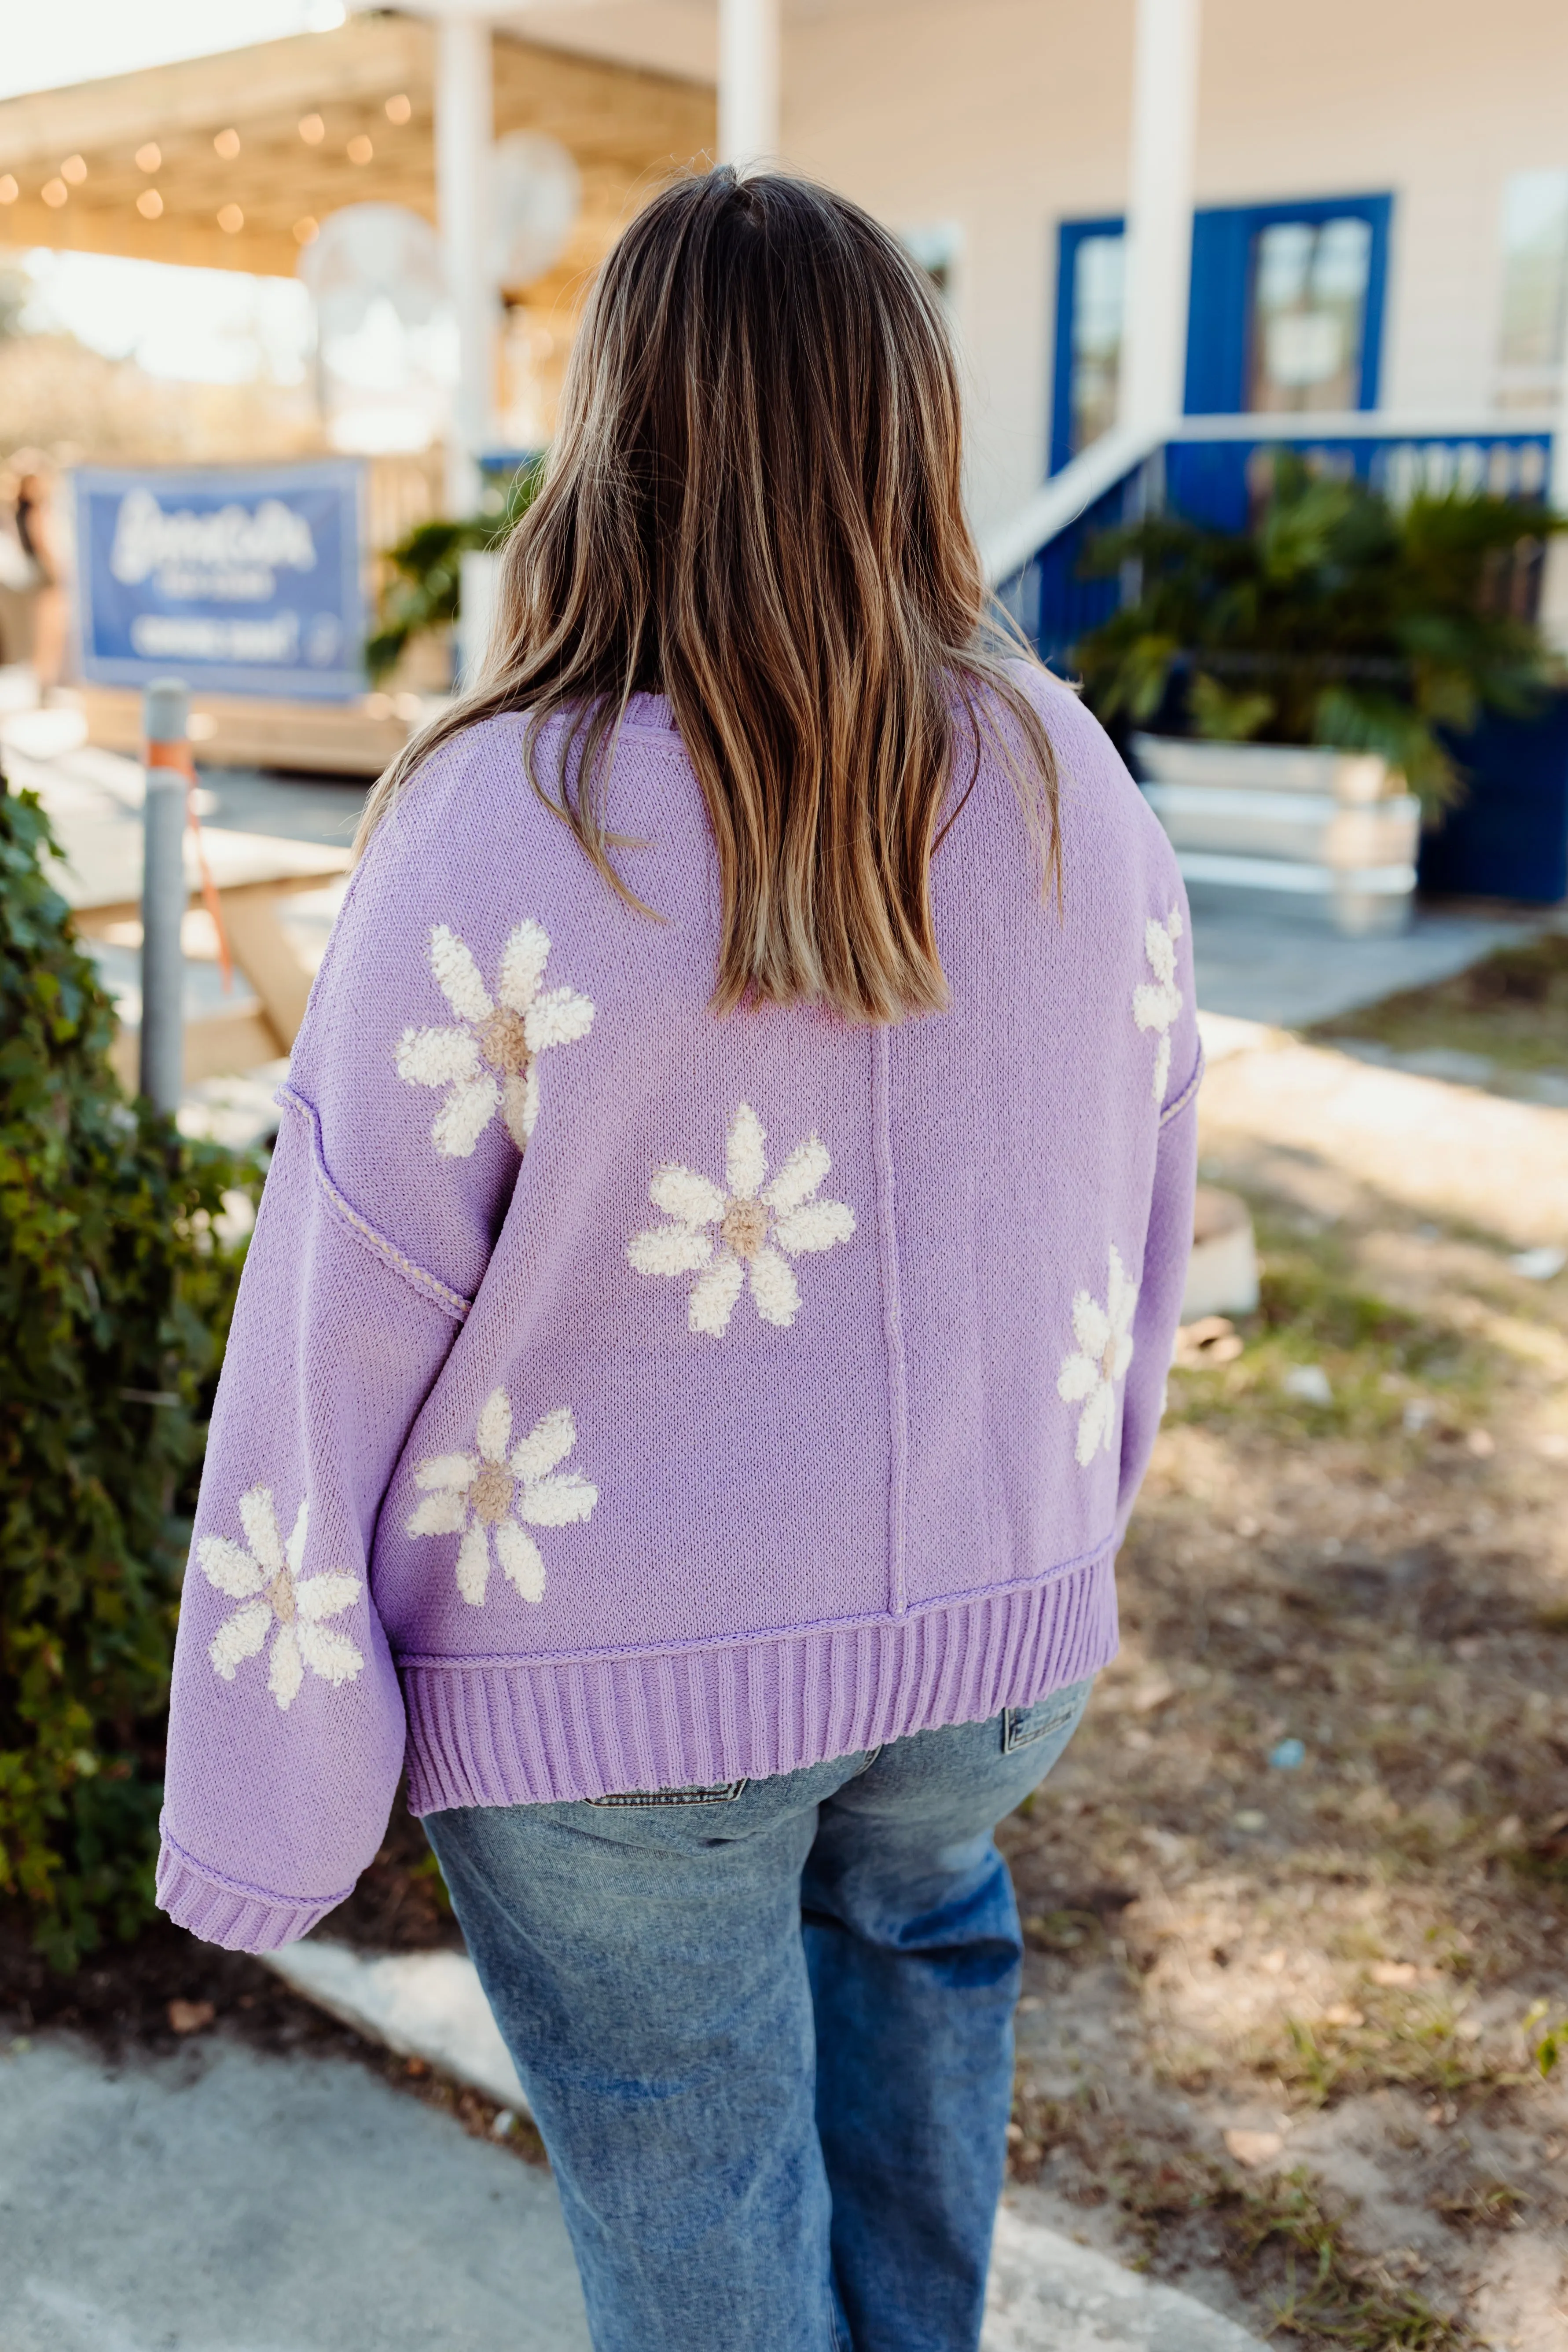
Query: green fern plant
x: 1336, y: 618
x: 426, y: 573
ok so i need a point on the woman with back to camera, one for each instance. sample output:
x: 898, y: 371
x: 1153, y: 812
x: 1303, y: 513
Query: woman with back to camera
x: 708, y: 1316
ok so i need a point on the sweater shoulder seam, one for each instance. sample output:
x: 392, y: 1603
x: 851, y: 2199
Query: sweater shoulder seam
x: 427, y: 1285
x: 1179, y: 1103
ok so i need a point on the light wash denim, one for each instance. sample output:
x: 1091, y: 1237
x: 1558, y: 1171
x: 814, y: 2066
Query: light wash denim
x: 766, y: 2031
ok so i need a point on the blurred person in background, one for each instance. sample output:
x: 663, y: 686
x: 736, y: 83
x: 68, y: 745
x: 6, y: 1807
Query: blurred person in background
x: 708, y: 1318
x: 38, y: 577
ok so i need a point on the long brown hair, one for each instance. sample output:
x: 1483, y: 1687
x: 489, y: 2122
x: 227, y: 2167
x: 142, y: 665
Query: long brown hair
x: 753, y: 505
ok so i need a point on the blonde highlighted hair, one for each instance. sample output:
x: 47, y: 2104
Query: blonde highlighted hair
x: 753, y: 505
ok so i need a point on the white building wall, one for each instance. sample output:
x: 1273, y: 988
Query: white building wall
x: 1004, y: 116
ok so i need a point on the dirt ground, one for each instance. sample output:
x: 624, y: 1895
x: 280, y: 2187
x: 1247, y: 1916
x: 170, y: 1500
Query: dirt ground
x: 1296, y: 1897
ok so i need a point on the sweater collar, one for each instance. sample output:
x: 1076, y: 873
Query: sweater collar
x: 650, y: 712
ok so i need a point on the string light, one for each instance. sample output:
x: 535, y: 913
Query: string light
x: 74, y: 169
x: 226, y: 145
x: 53, y: 192
x: 149, y: 204
x: 148, y: 158
x: 360, y: 150
x: 231, y: 220
x: 9, y: 191
x: 312, y: 130
x: 399, y: 109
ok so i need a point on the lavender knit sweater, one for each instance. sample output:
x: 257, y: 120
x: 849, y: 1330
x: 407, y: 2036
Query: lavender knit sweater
x: 622, y: 1398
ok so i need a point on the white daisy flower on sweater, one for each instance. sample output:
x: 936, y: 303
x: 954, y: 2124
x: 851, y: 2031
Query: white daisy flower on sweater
x: 489, y: 1059
x: 752, y: 1228
x: 1156, y: 1004
x: 484, y: 1495
x: 1104, y: 1335
x: 267, y: 1579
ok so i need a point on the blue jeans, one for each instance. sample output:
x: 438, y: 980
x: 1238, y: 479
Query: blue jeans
x: 766, y: 2031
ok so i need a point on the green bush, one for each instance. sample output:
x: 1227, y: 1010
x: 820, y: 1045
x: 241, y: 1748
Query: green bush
x: 115, y: 1295
x: 1336, y: 617
x: 426, y: 569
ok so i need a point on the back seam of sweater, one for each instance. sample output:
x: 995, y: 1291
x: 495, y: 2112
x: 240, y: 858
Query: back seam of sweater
x: 427, y: 1285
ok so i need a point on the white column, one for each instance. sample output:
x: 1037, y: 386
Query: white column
x: 464, y: 133
x: 1554, y: 613
x: 1159, y: 210
x: 748, y: 81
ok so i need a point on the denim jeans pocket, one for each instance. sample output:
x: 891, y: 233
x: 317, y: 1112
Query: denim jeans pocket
x: 1023, y: 1726
x: 721, y: 1792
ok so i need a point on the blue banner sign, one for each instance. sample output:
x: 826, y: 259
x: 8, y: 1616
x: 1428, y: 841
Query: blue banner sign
x: 243, y: 581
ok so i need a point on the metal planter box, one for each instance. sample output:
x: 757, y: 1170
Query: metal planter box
x: 1332, y: 826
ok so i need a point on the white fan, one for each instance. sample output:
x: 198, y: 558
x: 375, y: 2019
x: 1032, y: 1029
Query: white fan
x: 384, y: 328
x: 536, y: 194
x: 369, y: 253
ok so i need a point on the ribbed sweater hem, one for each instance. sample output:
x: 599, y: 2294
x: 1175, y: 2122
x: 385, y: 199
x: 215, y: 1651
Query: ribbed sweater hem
x: 222, y: 1911
x: 548, y: 1731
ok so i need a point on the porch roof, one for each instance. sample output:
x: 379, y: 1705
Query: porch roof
x: 624, y: 125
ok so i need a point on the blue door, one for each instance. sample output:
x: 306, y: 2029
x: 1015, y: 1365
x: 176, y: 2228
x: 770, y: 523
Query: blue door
x: 1285, y: 313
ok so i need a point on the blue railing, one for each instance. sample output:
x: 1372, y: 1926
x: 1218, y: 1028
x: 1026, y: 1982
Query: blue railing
x: 1053, y: 599
x: 1220, y: 481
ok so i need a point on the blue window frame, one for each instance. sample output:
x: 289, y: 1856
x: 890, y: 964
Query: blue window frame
x: 1286, y: 312
x: 1229, y: 247
x: 1078, y: 301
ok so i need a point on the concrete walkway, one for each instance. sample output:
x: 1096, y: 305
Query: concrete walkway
x: 1270, y: 957
x: 222, y: 2201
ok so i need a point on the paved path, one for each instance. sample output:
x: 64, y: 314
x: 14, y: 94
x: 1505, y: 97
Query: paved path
x: 221, y: 2202
x: 1270, y: 958
x: 225, y: 2203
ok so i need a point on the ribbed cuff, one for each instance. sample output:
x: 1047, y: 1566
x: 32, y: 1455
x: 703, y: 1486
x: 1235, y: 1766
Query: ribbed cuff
x: 222, y: 1911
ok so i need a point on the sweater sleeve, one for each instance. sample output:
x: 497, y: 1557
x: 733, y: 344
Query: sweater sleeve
x: 1166, y: 1250
x: 286, y: 1730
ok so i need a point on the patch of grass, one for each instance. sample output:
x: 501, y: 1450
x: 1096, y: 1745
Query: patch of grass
x: 1512, y: 1006
x: 1331, y: 2294
x: 1283, y: 2236
x: 1315, y: 1310
x: 1484, y: 2205
x: 1542, y: 1858
x: 1549, y: 2047
x: 1417, y: 2041
x: 1065, y: 1931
